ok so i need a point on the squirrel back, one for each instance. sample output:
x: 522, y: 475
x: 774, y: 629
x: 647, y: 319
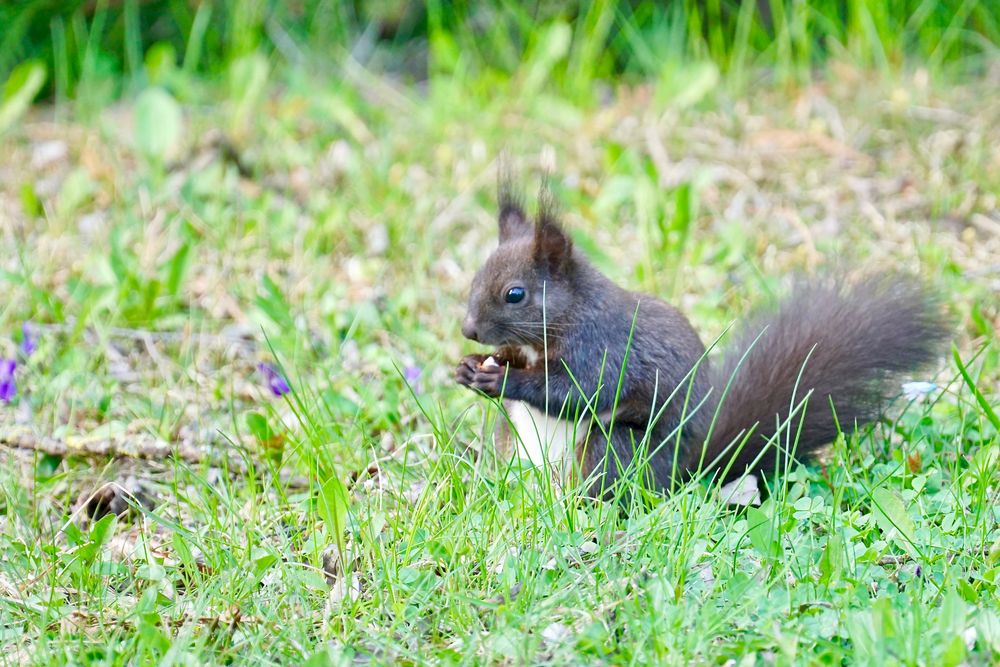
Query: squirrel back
x: 570, y: 342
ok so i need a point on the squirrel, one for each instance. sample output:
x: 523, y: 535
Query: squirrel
x: 627, y: 376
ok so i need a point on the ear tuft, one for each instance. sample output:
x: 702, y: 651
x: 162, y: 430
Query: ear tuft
x: 513, y: 220
x: 552, y: 245
x: 548, y: 207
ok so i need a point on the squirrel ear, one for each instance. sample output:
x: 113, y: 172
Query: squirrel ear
x: 513, y: 222
x: 552, y: 245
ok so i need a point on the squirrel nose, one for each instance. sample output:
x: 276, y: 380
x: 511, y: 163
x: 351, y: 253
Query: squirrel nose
x: 469, y: 329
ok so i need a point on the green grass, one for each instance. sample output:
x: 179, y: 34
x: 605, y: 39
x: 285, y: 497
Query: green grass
x: 100, y: 49
x: 170, y: 223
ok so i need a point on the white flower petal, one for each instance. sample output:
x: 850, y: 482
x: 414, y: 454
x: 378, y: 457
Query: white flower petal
x: 915, y: 391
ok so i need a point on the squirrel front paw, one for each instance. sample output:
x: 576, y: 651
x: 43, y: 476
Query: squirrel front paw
x: 473, y: 373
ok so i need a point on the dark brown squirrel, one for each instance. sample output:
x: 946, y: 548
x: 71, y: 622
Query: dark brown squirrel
x: 563, y: 332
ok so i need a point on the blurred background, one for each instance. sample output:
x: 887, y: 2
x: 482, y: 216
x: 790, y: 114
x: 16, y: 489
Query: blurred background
x: 106, y: 48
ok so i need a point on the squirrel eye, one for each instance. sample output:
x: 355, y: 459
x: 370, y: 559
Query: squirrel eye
x: 514, y: 295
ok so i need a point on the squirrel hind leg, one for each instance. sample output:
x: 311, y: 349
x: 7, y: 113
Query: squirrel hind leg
x: 607, y: 458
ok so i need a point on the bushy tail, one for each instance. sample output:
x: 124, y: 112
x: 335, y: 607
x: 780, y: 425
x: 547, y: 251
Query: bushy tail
x: 843, y: 342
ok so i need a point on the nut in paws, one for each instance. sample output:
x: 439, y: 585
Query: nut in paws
x: 474, y: 373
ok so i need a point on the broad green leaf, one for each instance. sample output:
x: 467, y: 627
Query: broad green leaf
x: 101, y: 530
x: 445, y: 55
x: 99, y: 534
x: 20, y: 90
x: 161, y: 61
x: 47, y: 466
x: 262, y: 564
x: 762, y: 533
x: 176, y: 268
x: 271, y: 442
x: 182, y: 550
x: 257, y: 423
x: 30, y: 202
x: 158, y: 123
x: 333, y: 506
x: 891, y: 517
x: 831, y: 564
x: 806, y: 506
x: 333, y: 510
x: 676, y: 235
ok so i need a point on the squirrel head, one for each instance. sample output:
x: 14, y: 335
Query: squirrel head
x: 527, y: 283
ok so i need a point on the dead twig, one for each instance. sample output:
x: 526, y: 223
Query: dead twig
x: 220, y: 339
x: 134, y: 446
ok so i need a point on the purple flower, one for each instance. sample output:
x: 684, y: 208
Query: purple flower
x: 412, y: 376
x: 8, y: 389
x: 275, y: 380
x: 29, y: 341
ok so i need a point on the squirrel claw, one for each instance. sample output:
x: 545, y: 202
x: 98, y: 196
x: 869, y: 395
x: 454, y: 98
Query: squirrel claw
x: 467, y: 368
x: 486, y: 379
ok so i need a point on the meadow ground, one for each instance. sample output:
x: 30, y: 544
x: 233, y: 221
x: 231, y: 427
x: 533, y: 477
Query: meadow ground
x: 160, y: 502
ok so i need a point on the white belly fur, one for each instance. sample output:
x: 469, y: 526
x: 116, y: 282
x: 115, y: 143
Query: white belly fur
x: 540, y: 438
